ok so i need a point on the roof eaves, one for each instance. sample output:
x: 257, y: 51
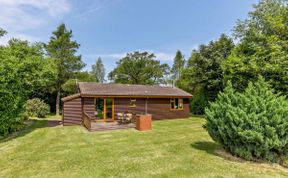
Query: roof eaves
x: 70, y: 97
x: 131, y: 95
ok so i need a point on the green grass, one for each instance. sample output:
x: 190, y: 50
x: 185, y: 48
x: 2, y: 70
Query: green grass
x: 174, y: 148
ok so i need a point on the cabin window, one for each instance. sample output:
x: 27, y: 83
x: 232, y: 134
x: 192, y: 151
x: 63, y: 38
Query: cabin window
x: 99, y: 108
x: 132, y: 103
x: 176, y: 104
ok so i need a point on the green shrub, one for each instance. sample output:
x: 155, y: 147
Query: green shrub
x: 36, y: 107
x: 252, y: 125
x: 11, y: 96
x: 198, y: 103
x: 10, y: 107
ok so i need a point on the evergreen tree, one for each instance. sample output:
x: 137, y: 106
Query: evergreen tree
x: 252, y: 125
x: 70, y: 86
x: 63, y: 50
x: 178, y: 66
x: 98, y: 71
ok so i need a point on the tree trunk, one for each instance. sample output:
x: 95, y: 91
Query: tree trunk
x: 58, y: 103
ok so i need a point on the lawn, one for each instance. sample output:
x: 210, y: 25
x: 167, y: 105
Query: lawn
x: 174, y: 148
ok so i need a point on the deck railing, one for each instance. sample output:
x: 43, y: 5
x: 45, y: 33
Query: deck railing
x: 87, y: 121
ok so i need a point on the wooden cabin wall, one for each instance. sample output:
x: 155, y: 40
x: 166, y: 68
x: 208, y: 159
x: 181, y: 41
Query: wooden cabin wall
x: 72, y: 112
x: 158, y: 107
x: 88, y: 106
x: 122, y: 105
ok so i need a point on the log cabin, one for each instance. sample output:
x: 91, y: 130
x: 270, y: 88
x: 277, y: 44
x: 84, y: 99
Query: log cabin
x: 105, y: 102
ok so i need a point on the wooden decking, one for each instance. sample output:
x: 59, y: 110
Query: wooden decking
x: 102, y: 126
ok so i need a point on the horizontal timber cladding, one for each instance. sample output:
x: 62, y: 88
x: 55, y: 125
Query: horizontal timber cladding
x: 158, y: 107
x: 122, y: 105
x: 88, y: 106
x: 72, y: 112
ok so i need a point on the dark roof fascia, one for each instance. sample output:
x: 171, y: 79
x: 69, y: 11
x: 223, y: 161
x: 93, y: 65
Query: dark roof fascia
x: 135, y: 96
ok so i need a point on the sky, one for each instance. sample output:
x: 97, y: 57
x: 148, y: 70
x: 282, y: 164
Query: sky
x: 111, y: 28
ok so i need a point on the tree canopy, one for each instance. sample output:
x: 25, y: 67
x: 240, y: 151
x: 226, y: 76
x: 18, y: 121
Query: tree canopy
x: 203, y: 75
x: 36, y: 71
x: 98, y: 71
x: 63, y: 50
x: 11, y: 93
x: 24, y: 73
x: 139, y: 68
x: 70, y: 86
x: 262, y: 48
x: 178, y: 65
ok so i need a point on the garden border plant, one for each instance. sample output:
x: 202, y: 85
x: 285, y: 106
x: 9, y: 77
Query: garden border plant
x: 36, y: 108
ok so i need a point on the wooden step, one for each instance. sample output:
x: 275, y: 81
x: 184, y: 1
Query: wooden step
x: 110, y: 126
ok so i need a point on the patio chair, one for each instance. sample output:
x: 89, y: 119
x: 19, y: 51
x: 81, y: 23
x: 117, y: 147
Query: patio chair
x: 128, y: 117
x: 120, y: 117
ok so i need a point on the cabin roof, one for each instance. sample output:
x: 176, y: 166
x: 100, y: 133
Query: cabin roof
x: 97, y: 89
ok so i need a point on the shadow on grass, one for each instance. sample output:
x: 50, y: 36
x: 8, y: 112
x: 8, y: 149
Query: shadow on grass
x: 208, y: 146
x: 30, y: 126
x: 215, y: 149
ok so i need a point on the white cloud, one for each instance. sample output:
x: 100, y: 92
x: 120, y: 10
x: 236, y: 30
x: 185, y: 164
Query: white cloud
x: 83, y: 14
x: 164, y: 56
x: 53, y: 7
x: 115, y: 55
x: 20, y: 16
x: 159, y: 55
x: 111, y: 55
x: 4, y: 40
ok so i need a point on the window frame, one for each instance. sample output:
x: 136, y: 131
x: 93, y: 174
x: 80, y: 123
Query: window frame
x: 132, y: 100
x: 179, y: 103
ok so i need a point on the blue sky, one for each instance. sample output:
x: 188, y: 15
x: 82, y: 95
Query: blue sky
x: 111, y: 28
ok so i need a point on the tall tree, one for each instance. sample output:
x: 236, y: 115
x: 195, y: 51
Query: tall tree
x: 139, y: 68
x: 178, y: 65
x: 262, y: 48
x: 63, y: 50
x: 25, y: 73
x: 98, y: 71
x: 204, y: 75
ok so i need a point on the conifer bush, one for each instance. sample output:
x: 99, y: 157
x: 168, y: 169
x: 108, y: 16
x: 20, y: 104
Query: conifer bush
x: 252, y: 125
